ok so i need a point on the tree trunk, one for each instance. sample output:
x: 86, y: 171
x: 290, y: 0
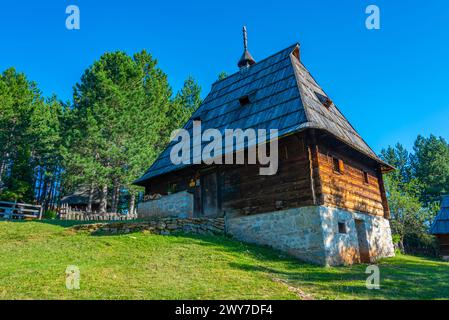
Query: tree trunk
x: 44, y: 194
x: 51, y: 194
x: 40, y: 186
x: 115, y: 197
x: 104, y: 199
x: 58, y: 188
x: 91, y: 199
x: 132, y: 203
x: 2, y: 165
x: 401, y: 245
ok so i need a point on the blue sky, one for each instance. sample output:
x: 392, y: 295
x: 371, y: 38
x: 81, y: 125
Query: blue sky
x: 392, y: 84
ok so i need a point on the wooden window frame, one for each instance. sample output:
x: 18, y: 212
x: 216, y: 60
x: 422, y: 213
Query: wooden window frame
x: 338, y: 165
x: 365, y: 177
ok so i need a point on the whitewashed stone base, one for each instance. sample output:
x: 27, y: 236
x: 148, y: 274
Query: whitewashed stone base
x: 178, y: 205
x: 311, y: 234
x: 344, y: 248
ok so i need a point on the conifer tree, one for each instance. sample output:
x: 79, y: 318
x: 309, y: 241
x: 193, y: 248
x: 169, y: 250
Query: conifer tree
x: 18, y: 99
x: 118, y: 124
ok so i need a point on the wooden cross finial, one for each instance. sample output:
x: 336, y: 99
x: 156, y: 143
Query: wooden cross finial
x: 245, y: 38
x: 246, y: 60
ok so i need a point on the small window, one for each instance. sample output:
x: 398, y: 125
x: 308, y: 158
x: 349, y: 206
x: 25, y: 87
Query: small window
x: 338, y: 165
x: 365, y: 177
x: 342, y: 228
x: 244, y: 101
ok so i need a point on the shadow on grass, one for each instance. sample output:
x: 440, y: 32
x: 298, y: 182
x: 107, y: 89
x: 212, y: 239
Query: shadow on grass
x: 409, y: 280
x: 72, y: 223
x: 403, y: 277
x: 59, y: 223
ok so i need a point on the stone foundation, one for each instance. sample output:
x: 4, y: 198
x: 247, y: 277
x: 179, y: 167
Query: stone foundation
x: 344, y: 248
x: 174, y: 205
x: 312, y: 234
x: 297, y: 232
x: 164, y: 226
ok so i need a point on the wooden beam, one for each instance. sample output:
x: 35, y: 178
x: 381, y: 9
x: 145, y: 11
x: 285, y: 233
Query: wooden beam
x: 383, y: 194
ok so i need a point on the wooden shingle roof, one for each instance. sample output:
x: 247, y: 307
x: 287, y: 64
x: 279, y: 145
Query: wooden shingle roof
x: 441, y: 223
x: 81, y: 197
x: 284, y: 96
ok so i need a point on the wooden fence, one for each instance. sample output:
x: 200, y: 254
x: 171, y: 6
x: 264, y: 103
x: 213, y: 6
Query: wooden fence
x: 23, y: 211
x: 83, y: 216
x: 19, y: 211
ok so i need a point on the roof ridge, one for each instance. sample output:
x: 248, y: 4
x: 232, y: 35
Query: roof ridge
x: 303, y: 87
x: 285, y: 97
x: 259, y: 62
x: 299, y: 85
x: 338, y: 109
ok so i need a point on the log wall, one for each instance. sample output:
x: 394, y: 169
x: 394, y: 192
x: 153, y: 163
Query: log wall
x: 243, y: 191
x: 246, y: 192
x: 305, y: 177
x: 348, y: 189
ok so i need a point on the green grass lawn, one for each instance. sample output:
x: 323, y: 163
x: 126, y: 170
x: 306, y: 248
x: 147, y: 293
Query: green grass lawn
x: 34, y: 256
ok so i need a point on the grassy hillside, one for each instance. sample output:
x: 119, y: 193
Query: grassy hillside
x: 34, y: 256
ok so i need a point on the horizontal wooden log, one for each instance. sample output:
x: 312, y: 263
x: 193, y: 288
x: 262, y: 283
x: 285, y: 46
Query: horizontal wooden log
x: 350, y: 175
x: 358, y: 206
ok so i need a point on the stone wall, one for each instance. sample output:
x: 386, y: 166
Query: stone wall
x: 311, y: 234
x: 297, y: 232
x: 164, y: 226
x: 174, y: 205
x: 344, y: 248
x: 339, y: 248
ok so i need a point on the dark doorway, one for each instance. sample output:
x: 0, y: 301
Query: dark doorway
x: 363, y: 241
x: 209, y: 195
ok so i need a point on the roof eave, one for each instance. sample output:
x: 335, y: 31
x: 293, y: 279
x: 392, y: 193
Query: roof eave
x: 385, y: 167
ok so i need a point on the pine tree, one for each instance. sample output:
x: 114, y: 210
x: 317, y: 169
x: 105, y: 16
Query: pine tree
x: 430, y: 165
x: 185, y: 103
x: 223, y: 75
x: 118, y: 124
x: 44, y: 136
x: 18, y: 99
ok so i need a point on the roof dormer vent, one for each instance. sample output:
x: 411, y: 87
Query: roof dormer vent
x: 325, y: 101
x: 244, y: 101
x: 248, y: 98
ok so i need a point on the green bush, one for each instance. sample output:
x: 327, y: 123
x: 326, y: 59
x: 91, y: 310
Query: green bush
x: 396, y: 239
x: 50, y: 214
x: 421, y: 244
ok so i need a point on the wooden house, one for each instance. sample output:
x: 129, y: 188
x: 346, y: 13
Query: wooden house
x: 326, y: 204
x: 440, y: 228
x: 78, y: 200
